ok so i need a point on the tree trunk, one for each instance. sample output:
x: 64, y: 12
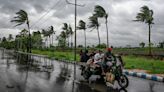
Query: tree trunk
x: 107, y: 44
x: 29, y: 40
x: 46, y: 42
x: 68, y: 41
x: 98, y: 35
x: 71, y: 42
x: 52, y: 39
x: 49, y: 41
x: 85, y: 38
x: 150, y: 53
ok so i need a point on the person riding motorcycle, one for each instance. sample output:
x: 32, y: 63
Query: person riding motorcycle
x: 99, y: 60
x: 109, y: 58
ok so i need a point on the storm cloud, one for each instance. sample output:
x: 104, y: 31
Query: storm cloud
x: 122, y: 30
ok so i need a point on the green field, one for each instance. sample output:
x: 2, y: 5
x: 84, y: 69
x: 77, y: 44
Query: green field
x: 131, y: 62
x: 58, y: 54
x: 151, y: 65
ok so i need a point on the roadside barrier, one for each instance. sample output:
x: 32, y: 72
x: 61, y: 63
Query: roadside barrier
x: 144, y: 76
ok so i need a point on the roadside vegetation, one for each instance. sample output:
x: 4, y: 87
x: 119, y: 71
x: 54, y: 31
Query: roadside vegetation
x: 151, y: 65
x: 66, y: 55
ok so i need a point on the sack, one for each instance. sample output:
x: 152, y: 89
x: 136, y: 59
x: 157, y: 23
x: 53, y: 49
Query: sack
x: 110, y: 77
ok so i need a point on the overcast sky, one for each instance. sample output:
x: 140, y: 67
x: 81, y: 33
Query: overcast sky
x: 122, y: 30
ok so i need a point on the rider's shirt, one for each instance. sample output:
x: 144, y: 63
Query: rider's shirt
x: 109, y: 57
x: 98, y: 57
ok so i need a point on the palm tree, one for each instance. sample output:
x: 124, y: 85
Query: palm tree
x: 146, y: 15
x: 100, y: 12
x: 45, y: 34
x: 142, y: 44
x: 21, y: 18
x: 52, y: 33
x: 49, y: 35
x: 67, y: 32
x: 71, y: 34
x: 82, y: 26
x: 63, y: 36
x: 10, y: 37
x: 94, y: 24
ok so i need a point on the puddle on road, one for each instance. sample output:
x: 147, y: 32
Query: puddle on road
x: 21, y: 73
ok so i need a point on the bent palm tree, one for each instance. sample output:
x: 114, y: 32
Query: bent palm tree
x: 66, y: 29
x: 100, y: 12
x: 71, y: 34
x: 21, y: 18
x: 146, y: 15
x: 94, y: 24
x: 82, y: 26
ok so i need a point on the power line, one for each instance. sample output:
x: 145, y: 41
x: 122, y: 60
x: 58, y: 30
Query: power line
x: 48, y: 18
x: 45, y: 13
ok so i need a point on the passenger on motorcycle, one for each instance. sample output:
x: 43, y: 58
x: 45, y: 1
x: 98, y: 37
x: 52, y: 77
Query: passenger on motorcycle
x: 99, y: 59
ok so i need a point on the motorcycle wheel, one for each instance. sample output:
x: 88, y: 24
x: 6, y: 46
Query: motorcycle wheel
x: 87, y: 74
x: 123, y: 81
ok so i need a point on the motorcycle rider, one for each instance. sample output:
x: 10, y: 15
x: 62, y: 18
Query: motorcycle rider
x: 98, y: 60
x: 109, y: 57
x: 85, y: 56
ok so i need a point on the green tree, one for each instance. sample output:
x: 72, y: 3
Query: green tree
x: 45, y: 34
x: 52, y: 32
x: 22, y: 18
x: 82, y: 26
x: 161, y: 44
x: 17, y: 42
x: 95, y: 25
x: 10, y: 37
x: 4, y: 39
x: 62, y: 39
x: 101, y: 13
x: 67, y: 30
x: 142, y: 44
x: 103, y: 45
x: 146, y: 15
x: 36, y: 39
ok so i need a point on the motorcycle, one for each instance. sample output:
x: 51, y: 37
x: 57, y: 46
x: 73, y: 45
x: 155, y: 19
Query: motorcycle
x: 115, y: 70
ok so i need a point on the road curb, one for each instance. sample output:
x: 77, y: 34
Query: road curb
x: 145, y: 76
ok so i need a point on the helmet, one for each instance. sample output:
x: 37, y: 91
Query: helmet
x: 109, y: 49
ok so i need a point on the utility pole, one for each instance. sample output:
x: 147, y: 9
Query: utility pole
x: 75, y: 4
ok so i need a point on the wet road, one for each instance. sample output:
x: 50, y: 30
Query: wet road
x: 44, y: 75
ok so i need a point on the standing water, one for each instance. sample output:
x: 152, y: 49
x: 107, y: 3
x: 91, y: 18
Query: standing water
x: 19, y: 73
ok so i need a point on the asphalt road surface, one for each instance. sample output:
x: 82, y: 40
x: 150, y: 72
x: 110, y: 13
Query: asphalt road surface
x: 44, y: 75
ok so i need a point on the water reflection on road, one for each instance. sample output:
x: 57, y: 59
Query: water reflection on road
x: 22, y: 73
x: 35, y: 74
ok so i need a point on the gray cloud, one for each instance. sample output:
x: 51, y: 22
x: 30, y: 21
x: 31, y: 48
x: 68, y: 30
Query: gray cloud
x: 122, y: 30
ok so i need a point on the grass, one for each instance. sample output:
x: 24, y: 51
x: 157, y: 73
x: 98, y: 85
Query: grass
x: 131, y: 62
x: 57, y: 54
x: 151, y: 65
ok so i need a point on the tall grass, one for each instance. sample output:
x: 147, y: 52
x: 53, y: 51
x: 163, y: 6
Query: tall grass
x: 58, y: 54
x: 153, y: 66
